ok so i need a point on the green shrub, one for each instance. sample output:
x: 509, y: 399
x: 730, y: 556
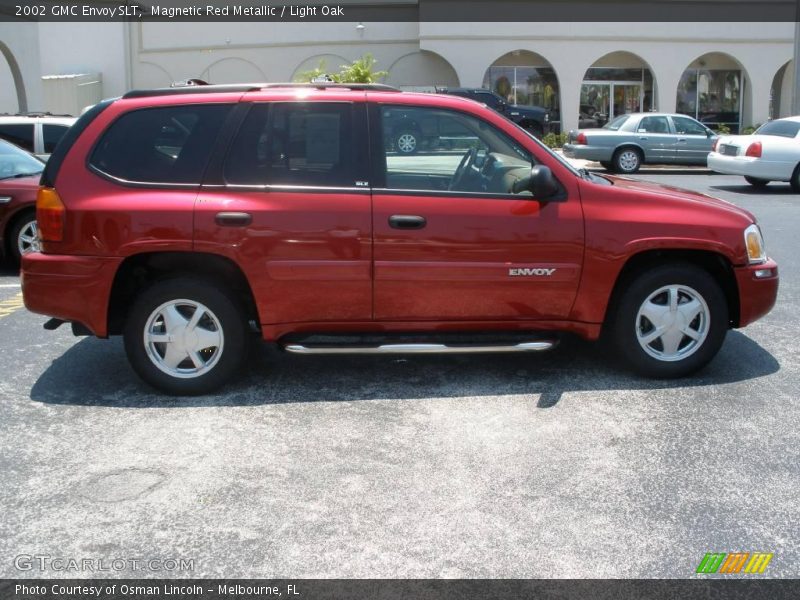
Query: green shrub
x: 723, y: 129
x: 750, y: 130
x: 552, y: 140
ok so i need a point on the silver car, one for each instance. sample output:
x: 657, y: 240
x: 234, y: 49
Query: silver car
x: 629, y: 141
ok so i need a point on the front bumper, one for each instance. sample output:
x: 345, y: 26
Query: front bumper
x: 758, y: 290
x: 70, y: 288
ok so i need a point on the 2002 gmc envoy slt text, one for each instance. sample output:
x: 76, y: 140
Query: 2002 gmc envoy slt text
x: 189, y: 218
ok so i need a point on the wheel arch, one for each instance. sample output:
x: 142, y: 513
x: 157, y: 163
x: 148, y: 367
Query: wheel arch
x: 631, y: 145
x: 717, y: 265
x: 139, y: 271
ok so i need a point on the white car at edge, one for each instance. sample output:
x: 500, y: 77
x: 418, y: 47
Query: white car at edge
x: 772, y: 153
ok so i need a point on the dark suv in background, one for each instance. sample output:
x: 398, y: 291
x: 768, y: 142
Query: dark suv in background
x: 535, y: 119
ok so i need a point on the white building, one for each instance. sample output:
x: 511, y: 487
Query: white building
x: 733, y: 73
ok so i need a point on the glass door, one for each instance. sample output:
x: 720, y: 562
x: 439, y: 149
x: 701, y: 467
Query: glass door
x: 595, y: 103
x: 627, y: 98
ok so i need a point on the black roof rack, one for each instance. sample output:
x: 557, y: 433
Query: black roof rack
x: 323, y: 85
x: 196, y: 86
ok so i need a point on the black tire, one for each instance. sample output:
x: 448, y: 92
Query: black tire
x: 21, y: 224
x: 224, y: 315
x: 407, y: 141
x: 627, y: 160
x: 755, y: 182
x: 607, y: 166
x: 795, y: 180
x: 627, y: 325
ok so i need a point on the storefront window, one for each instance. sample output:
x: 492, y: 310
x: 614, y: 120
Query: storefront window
x: 712, y: 96
x: 532, y: 86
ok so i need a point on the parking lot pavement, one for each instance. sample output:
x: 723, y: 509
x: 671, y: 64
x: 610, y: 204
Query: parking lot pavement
x: 558, y: 465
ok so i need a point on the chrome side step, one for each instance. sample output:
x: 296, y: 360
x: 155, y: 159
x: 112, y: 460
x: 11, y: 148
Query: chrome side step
x: 537, y: 346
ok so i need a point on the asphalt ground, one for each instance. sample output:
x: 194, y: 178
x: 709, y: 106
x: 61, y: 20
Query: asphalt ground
x: 555, y: 465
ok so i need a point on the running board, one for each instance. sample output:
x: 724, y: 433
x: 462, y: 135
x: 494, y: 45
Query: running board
x: 537, y: 346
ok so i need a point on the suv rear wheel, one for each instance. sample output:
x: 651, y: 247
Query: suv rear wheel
x: 185, y: 336
x: 671, y: 321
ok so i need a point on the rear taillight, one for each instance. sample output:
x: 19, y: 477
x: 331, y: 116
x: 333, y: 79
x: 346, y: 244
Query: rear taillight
x: 714, y: 145
x: 754, y: 150
x: 50, y: 215
x: 581, y: 139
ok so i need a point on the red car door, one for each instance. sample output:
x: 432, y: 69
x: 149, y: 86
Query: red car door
x: 285, y: 204
x: 452, y: 242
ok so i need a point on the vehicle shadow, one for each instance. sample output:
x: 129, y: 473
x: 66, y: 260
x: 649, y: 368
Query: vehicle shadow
x: 774, y: 189
x: 96, y: 373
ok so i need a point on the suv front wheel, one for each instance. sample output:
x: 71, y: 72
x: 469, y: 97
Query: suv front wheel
x: 671, y: 321
x: 184, y: 336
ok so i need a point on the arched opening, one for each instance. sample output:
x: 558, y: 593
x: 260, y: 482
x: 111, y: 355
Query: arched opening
x: 616, y: 84
x: 232, y: 70
x: 329, y: 63
x: 780, y: 95
x: 16, y: 76
x: 422, y: 71
x: 713, y: 90
x: 527, y: 78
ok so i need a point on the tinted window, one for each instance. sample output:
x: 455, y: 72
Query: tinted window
x: 687, y: 126
x: 654, y: 125
x: 161, y: 145
x: 787, y: 129
x: 294, y: 144
x: 52, y: 134
x: 488, y: 99
x: 440, y: 150
x: 21, y: 135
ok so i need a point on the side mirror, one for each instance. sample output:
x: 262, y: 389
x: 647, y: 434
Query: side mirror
x: 540, y: 183
x: 710, y: 133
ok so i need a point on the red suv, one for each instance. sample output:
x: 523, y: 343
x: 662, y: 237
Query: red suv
x: 188, y: 219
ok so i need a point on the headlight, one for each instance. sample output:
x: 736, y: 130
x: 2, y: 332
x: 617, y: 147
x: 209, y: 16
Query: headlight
x: 755, y: 245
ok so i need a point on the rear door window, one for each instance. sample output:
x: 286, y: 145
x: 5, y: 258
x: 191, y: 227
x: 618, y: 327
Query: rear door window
x: 160, y: 145
x: 20, y: 134
x: 52, y: 134
x: 294, y: 144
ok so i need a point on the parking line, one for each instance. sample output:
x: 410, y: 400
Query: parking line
x: 11, y: 305
x: 9, y: 285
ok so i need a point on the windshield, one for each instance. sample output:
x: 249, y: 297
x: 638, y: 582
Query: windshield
x: 15, y: 162
x: 787, y: 129
x: 616, y: 123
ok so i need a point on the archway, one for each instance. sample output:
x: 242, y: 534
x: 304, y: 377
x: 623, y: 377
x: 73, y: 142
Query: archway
x: 233, y: 70
x: 527, y: 78
x: 16, y: 75
x: 714, y: 89
x: 421, y: 71
x: 617, y: 83
x: 780, y: 96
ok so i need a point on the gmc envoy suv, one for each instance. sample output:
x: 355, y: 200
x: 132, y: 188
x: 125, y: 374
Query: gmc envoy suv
x: 192, y: 220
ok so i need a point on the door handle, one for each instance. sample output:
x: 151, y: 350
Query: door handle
x: 682, y: 139
x: 407, y: 222
x: 643, y: 138
x: 233, y: 219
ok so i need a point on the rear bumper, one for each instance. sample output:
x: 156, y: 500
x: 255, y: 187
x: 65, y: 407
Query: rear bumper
x: 588, y: 152
x: 71, y: 288
x: 747, y: 166
x: 758, y: 290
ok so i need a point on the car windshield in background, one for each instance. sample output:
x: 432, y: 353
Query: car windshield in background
x: 616, y: 123
x: 787, y: 129
x: 15, y: 162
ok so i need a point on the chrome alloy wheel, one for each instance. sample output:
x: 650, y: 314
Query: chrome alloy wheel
x: 407, y: 143
x: 628, y: 161
x: 28, y: 239
x: 672, y: 323
x: 183, y: 338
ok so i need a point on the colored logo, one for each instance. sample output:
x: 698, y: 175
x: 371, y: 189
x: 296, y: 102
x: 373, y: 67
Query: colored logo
x: 735, y: 562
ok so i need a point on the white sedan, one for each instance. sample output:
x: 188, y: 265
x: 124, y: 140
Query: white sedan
x: 772, y: 153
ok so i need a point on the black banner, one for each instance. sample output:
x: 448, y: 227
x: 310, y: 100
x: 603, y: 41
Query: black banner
x: 474, y: 11
x: 398, y: 589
